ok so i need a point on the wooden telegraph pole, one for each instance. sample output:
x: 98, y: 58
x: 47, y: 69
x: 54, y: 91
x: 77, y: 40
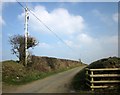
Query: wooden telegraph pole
x: 26, y: 34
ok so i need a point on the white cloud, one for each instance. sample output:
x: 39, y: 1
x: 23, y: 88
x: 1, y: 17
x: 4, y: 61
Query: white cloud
x: 68, y: 42
x: 84, y: 38
x: 71, y: 27
x: 1, y: 4
x: 44, y: 45
x: 72, y: 44
x: 59, y: 20
x: 111, y: 40
x: 100, y: 15
x: 104, y: 17
x: 2, y: 22
x: 115, y: 17
x: 96, y: 12
x: 91, y: 48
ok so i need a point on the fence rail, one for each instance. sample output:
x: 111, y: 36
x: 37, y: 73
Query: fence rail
x: 91, y: 75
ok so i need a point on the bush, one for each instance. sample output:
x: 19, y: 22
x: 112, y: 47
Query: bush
x: 79, y: 82
x: 39, y: 67
x: 12, y: 71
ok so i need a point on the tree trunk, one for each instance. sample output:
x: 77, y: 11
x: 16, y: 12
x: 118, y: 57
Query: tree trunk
x: 22, y: 54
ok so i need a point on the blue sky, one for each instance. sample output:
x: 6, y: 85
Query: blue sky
x: 90, y: 29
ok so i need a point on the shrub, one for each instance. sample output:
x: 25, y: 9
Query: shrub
x: 79, y: 82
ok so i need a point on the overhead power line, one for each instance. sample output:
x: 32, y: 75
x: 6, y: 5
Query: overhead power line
x: 48, y: 28
x: 20, y: 4
x: 45, y: 25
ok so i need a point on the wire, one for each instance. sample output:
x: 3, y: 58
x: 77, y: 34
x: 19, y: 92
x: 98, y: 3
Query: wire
x: 49, y: 28
x: 24, y: 8
x: 45, y: 26
x: 20, y: 4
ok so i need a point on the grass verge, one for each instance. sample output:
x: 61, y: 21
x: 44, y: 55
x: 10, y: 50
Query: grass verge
x: 16, y: 74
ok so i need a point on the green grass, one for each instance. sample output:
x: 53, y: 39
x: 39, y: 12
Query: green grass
x: 17, y: 74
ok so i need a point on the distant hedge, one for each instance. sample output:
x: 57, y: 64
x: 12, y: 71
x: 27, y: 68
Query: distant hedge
x: 46, y: 64
x: 111, y: 62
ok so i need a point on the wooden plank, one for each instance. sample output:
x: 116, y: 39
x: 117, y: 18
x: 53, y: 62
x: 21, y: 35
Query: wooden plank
x: 105, y: 75
x: 101, y: 75
x: 98, y: 86
x: 105, y: 69
x: 113, y: 81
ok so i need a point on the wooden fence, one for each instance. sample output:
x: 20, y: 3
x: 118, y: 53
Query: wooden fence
x: 107, y: 73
